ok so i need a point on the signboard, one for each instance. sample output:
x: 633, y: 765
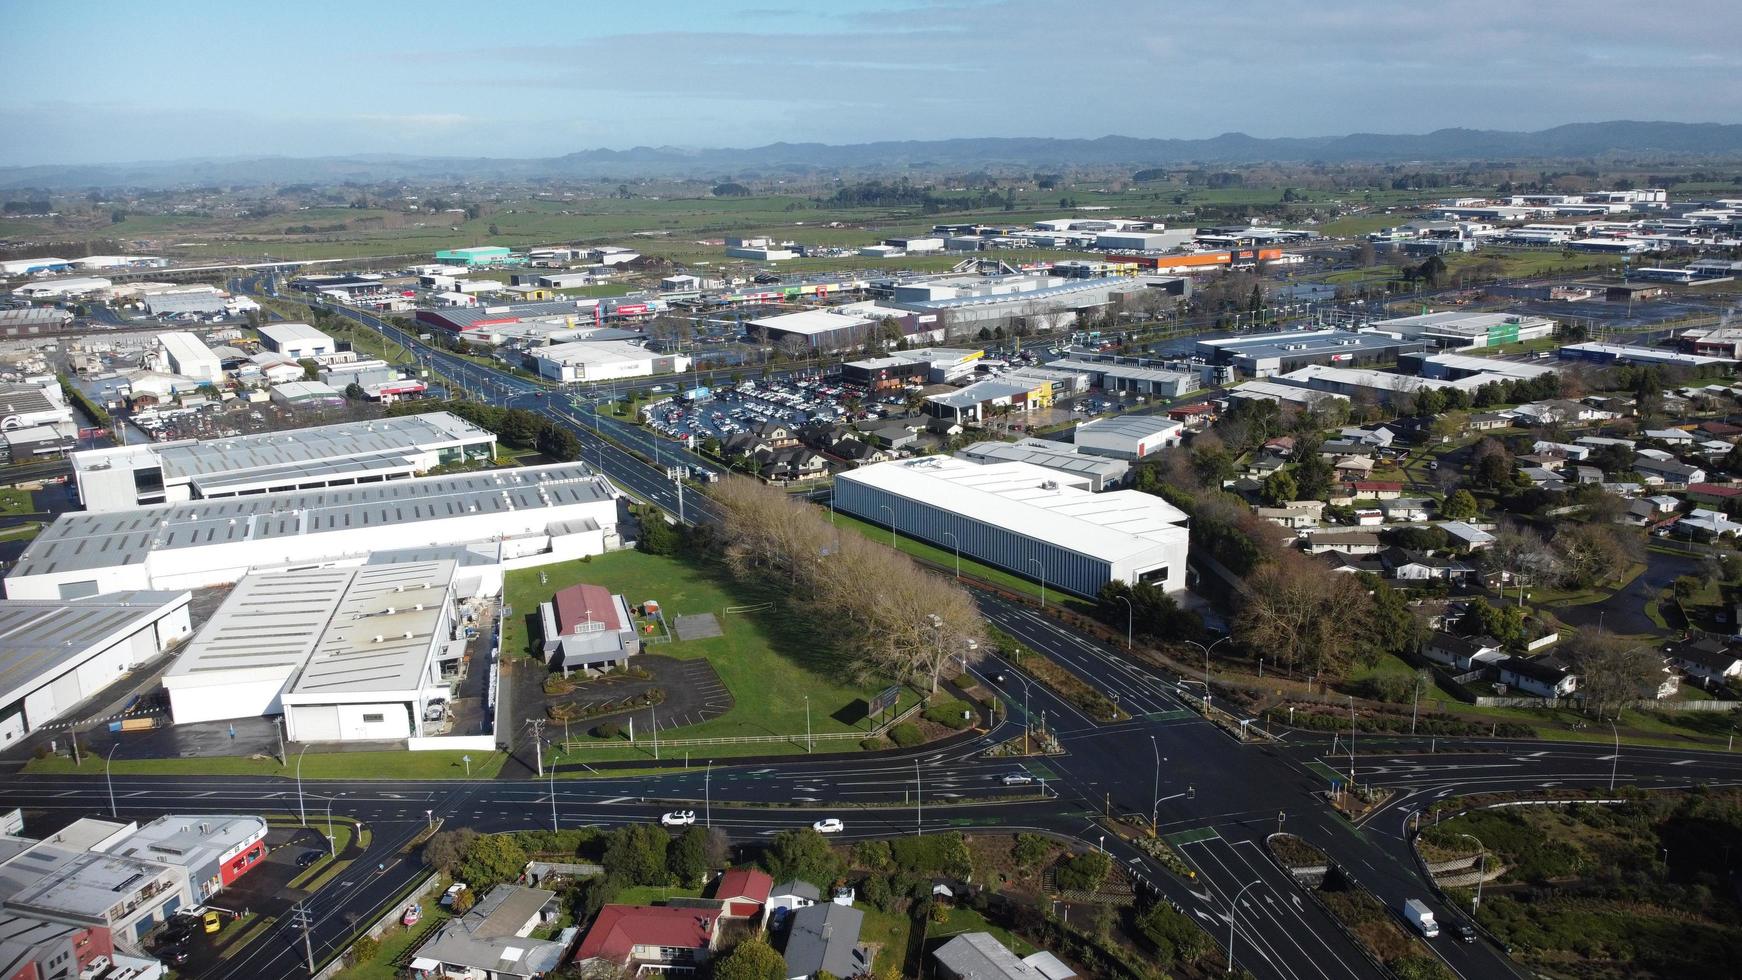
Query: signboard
x: 1502, y: 333
x: 884, y: 701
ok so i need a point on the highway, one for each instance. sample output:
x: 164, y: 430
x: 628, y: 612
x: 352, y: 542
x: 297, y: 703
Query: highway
x: 1215, y: 798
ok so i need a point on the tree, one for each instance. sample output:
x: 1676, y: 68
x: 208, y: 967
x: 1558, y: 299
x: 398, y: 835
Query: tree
x: 1175, y: 937
x: 1314, y: 476
x: 355, y: 392
x: 1280, y: 488
x: 803, y: 854
x: 657, y: 536
x: 1503, y: 622
x: 491, y: 860
x: 687, y: 857
x: 753, y: 959
x: 311, y: 370
x: 446, y: 850
x: 1460, y: 506
x: 1085, y: 872
x: 493, y: 230
x: 1303, y: 614
x: 1613, y: 670
x: 637, y: 853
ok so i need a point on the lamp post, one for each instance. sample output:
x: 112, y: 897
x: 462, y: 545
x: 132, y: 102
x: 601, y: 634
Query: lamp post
x: 891, y: 511
x: 1351, y: 743
x: 553, y: 823
x: 1042, y: 567
x: 1614, y: 760
x: 1234, y: 910
x: 332, y: 842
x: 1155, y: 789
x: 958, y: 547
x: 109, y: 779
x: 1207, y: 650
x: 808, y: 747
x: 708, y: 795
x: 1130, y: 614
x: 1481, y: 872
x: 301, y: 811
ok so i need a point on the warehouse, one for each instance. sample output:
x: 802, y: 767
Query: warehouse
x: 1128, y: 436
x: 50, y: 288
x: 477, y: 321
x: 1454, y: 330
x: 1287, y: 396
x: 24, y: 405
x: 1454, y: 367
x: 825, y: 329
x: 55, y: 653
x: 342, y: 653
x: 537, y: 513
x: 474, y: 255
x: 1623, y: 354
x: 298, y: 340
x: 1103, y: 473
x: 603, y: 360
x: 306, y: 394
x: 1135, y: 378
x: 926, y: 365
x: 322, y: 456
x: 199, y: 302
x: 1265, y: 355
x: 981, y: 399
x: 1145, y: 241
x: 184, y: 354
x: 31, y: 321
x: 1382, y: 387
x: 1029, y: 520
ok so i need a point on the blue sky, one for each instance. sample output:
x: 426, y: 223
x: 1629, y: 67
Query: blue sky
x: 105, y: 81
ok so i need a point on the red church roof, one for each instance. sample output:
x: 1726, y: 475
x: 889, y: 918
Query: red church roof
x: 620, y: 928
x: 578, y: 604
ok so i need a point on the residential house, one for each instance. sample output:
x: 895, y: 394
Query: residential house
x: 1670, y: 437
x: 1566, y: 450
x: 1346, y: 540
x: 1372, y: 489
x: 897, y: 433
x: 1354, y: 467
x: 1702, y: 524
x: 1560, y: 410
x: 1380, y: 437
x: 1295, y: 514
x: 1544, y: 677
x: 1720, y: 430
x: 743, y: 894
x: 1708, y: 660
x: 1369, y: 517
x: 978, y: 956
x: 1488, y: 421
x: 1462, y: 653
x: 1714, y: 493
x: 651, y: 938
x: 1467, y: 535
x: 1406, y: 509
x: 825, y: 937
x: 1193, y: 415
x: 1415, y: 566
x: 1338, y: 448
x: 490, y: 942
x: 1342, y: 561
x: 789, y: 464
x: 1648, y: 510
x: 790, y: 895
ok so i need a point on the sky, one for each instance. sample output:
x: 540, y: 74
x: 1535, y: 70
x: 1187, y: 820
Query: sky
x: 100, y: 81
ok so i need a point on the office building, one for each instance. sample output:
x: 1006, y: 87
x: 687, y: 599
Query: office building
x: 474, y: 255
x: 57, y: 653
x: 529, y: 515
x: 1029, y: 520
x: 213, y: 850
x: 1135, y: 378
x: 319, y: 457
x: 603, y: 360
x: 1457, y: 330
x: 1266, y: 355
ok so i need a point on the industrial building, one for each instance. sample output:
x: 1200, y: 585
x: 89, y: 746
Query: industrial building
x: 1382, y: 387
x: 1285, y: 395
x: 342, y: 653
x: 128, y: 896
x: 53, y: 288
x: 214, y: 849
x: 1101, y: 472
x: 1029, y: 520
x: 298, y: 340
x: 1266, y: 355
x: 25, y: 404
x: 184, y: 354
x: 474, y: 255
x: 982, y: 399
x: 1454, y: 367
x: 32, y: 321
x: 319, y: 457
x: 1137, y: 378
x: 603, y: 360
x: 928, y: 365
x: 1127, y: 436
x: 825, y: 329
x: 1623, y: 354
x: 199, y: 302
x: 1456, y: 330
x: 529, y: 514
x: 56, y: 653
x: 1041, y: 303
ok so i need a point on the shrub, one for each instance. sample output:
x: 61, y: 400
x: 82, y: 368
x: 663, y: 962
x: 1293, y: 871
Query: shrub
x: 1176, y: 938
x: 1083, y: 872
x: 365, y: 949
x: 871, y: 744
x: 949, y: 714
x: 906, y: 735
x: 1030, y: 849
x: 558, y: 684
x: 607, y: 729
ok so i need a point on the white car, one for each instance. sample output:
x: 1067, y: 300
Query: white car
x: 1018, y: 779
x: 678, y: 818
x: 452, y: 893
x: 832, y: 825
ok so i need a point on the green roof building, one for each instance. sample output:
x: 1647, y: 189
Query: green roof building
x: 475, y: 255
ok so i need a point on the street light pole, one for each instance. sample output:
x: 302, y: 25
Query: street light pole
x: 1042, y: 565
x: 708, y: 795
x: 891, y: 511
x: 1207, y: 650
x: 918, y: 801
x: 301, y: 812
x: 1130, y: 614
x: 553, y: 823
x: 1481, y: 872
x: 110, y: 779
x: 1233, y: 911
x: 808, y: 745
x: 1614, y: 760
x: 332, y: 842
x: 958, y: 546
x: 1155, y: 789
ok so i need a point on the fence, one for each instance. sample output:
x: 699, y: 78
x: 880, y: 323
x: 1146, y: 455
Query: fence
x: 428, y: 887
x: 688, y: 743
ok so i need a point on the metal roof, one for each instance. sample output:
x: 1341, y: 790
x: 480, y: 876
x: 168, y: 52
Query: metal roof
x: 323, y: 442
x: 1063, y: 458
x: 380, y: 636
x: 42, y: 638
x: 86, y: 540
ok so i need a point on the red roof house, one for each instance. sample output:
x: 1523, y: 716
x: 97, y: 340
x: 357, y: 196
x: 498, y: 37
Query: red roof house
x: 650, y: 935
x: 743, y: 892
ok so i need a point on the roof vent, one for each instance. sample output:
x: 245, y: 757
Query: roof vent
x: 379, y: 638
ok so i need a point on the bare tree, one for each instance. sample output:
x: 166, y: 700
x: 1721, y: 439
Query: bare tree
x: 1303, y: 614
x: 1613, y: 670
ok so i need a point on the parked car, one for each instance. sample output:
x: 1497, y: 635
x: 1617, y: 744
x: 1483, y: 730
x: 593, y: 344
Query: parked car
x: 212, y: 922
x: 413, y: 913
x: 678, y: 818
x: 307, y: 858
x: 832, y: 825
x: 1018, y: 779
x: 453, y: 893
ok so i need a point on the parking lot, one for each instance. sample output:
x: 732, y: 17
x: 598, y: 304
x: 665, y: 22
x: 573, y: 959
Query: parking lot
x: 742, y: 407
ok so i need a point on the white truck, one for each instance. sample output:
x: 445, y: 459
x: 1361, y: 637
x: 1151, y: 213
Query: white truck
x: 1421, y: 917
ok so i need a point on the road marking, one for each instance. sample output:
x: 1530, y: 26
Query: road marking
x: 1184, y: 837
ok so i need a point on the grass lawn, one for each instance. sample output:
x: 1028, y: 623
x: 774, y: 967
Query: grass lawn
x: 963, y: 919
x: 315, y: 765
x: 653, y: 894
x: 891, y: 932
x: 16, y: 501
x: 395, y: 943
x: 28, y: 529
x: 770, y: 660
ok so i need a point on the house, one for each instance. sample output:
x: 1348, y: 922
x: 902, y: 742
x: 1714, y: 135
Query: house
x: 1462, y: 653
x: 825, y: 938
x: 1369, y: 517
x: 1406, y: 508
x: 1415, y: 566
x: 1488, y: 421
x: 1672, y: 437
x: 1380, y: 437
x: 1565, y: 450
x: 651, y: 938
x: 1469, y: 536
x: 900, y: 433
x: 1050, y: 966
x: 1373, y: 489
x: 1668, y: 471
x: 1544, y: 677
x: 1342, y: 561
x: 789, y: 464
x: 1705, y: 525
x: 1714, y: 493
x: 1347, y: 541
x: 1647, y: 510
x: 790, y: 895
x: 1587, y: 474
x: 743, y: 893
x: 1192, y: 415
x: 1707, y: 660
x: 978, y: 956
x: 1296, y: 514
x: 490, y: 941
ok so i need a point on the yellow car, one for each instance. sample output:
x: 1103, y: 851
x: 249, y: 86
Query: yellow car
x: 211, y: 922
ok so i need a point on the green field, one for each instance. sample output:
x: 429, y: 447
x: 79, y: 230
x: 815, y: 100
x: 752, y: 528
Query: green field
x: 16, y: 501
x: 769, y: 659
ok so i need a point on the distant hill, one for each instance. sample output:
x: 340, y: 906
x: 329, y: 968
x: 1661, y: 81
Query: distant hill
x: 1575, y: 141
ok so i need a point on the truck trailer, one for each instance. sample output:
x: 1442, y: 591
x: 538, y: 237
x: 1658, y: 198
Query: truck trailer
x: 1421, y: 917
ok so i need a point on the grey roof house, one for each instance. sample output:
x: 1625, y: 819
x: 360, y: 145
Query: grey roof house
x: 825, y: 937
x: 490, y: 941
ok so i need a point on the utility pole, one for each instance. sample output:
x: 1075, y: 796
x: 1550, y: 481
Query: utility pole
x: 303, y: 923
x: 537, y: 726
x: 918, y: 802
x: 283, y: 760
